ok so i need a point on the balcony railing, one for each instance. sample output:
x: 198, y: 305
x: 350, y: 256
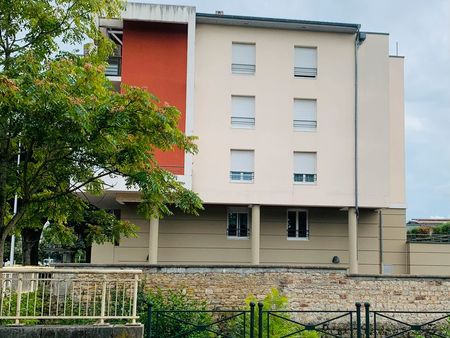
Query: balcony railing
x: 114, y: 67
x: 305, y: 178
x: 241, y: 68
x: 245, y: 176
x: 305, y: 124
x: 243, y: 122
x: 55, y: 294
x: 305, y: 72
x: 428, y: 238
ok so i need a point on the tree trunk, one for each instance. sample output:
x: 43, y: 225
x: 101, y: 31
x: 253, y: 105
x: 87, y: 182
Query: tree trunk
x: 30, y: 245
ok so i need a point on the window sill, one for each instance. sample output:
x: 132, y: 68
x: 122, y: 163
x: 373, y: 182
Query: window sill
x: 235, y: 238
x: 305, y: 183
x: 298, y: 238
x: 244, y: 182
x: 307, y: 130
x: 242, y: 127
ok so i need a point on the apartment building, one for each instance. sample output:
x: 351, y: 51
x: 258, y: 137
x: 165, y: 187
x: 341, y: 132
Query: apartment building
x: 301, y: 140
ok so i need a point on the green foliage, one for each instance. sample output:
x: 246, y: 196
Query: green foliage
x: 425, y: 230
x: 61, y: 113
x: 169, y: 324
x: 280, y: 325
x: 442, y: 229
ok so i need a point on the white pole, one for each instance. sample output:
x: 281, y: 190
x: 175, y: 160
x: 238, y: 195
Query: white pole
x: 13, y: 237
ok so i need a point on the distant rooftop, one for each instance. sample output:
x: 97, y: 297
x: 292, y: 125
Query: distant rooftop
x: 316, y: 26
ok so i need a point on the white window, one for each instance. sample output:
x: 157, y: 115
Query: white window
x: 305, y: 167
x: 305, y: 62
x: 244, y: 58
x: 242, y: 111
x: 305, y: 115
x: 297, y: 224
x: 242, y: 166
x: 238, y: 223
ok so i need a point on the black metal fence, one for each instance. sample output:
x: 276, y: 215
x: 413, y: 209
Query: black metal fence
x: 257, y: 322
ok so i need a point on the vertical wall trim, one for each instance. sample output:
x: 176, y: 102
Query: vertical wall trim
x: 255, y: 234
x: 190, y: 82
x: 380, y: 225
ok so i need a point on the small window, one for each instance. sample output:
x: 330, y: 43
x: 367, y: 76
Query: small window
x: 242, y: 166
x: 305, y: 167
x: 297, y: 224
x: 305, y: 62
x: 242, y: 111
x: 244, y: 58
x: 238, y: 223
x: 305, y: 115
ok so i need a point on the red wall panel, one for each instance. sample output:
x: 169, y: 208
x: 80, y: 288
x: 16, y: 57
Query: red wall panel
x: 154, y: 57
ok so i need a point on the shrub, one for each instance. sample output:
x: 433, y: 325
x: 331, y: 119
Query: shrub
x: 168, y: 324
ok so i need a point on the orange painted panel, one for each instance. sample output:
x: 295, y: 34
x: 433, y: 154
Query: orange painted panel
x: 154, y: 57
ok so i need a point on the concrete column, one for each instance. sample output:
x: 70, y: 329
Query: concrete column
x: 255, y: 233
x: 352, y: 241
x: 153, y: 241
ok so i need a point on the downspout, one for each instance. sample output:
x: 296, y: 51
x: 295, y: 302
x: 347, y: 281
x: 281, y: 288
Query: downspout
x: 360, y: 37
x: 380, y: 234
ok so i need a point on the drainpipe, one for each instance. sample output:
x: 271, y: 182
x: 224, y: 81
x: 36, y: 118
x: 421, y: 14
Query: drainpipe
x: 359, y: 39
x: 380, y: 229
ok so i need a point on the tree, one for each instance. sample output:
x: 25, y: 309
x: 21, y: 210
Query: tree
x: 71, y: 129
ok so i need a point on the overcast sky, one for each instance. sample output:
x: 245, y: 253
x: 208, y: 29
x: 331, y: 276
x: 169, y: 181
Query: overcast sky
x: 422, y: 29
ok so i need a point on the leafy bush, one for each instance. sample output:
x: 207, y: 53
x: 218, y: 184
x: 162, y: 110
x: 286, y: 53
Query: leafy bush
x: 167, y: 323
x: 280, y: 325
x: 425, y: 230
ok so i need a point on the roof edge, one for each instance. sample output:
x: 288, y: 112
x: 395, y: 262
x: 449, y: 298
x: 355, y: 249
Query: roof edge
x: 316, y: 26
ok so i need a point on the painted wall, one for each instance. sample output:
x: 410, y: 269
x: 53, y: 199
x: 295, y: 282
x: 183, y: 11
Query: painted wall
x: 155, y: 58
x: 185, y: 239
x: 429, y: 259
x: 273, y: 138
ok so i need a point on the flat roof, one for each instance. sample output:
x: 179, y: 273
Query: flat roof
x: 251, y: 21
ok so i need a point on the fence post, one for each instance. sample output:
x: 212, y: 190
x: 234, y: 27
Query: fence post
x: 19, y: 297
x: 358, y: 320
x: 149, y: 319
x: 260, y: 320
x: 367, y: 309
x: 252, y: 320
x: 103, y: 305
x: 135, y: 296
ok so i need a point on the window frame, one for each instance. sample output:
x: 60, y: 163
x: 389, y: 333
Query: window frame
x: 238, y: 211
x: 317, y: 65
x: 297, y: 211
x: 304, y: 174
x: 252, y: 120
x: 300, y: 128
x: 242, y: 173
x: 243, y: 72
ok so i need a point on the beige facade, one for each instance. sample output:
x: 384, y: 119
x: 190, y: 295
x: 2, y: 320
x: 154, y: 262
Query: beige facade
x: 186, y: 239
x: 354, y: 207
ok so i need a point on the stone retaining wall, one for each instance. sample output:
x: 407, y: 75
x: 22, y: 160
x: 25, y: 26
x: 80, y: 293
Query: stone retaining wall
x: 307, y: 288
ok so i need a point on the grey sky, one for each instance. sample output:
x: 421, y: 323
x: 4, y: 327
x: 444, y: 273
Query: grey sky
x: 422, y: 30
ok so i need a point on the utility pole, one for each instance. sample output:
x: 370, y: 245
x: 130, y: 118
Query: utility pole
x: 13, y: 237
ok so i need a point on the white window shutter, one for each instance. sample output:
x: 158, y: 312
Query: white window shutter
x: 244, y: 54
x: 305, y: 57
x: 242, y: 160
x: 243, y: 106
x: 305, y: 163
x: 305, y: 110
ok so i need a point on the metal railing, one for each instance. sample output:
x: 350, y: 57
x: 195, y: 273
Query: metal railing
x: 305, y: 178
x: 243, y: 122
x: 114, y: 67
x: 241, y: 68
x: 246, y: 176
x: 305, y: 72
x: 58, y: 294
x: 305, y: 124
x: 427, y: 238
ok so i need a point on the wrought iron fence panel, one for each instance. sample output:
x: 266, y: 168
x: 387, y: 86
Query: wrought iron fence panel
x: 280, y: 324
x: 200, y: 323
x: 417, y: 324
